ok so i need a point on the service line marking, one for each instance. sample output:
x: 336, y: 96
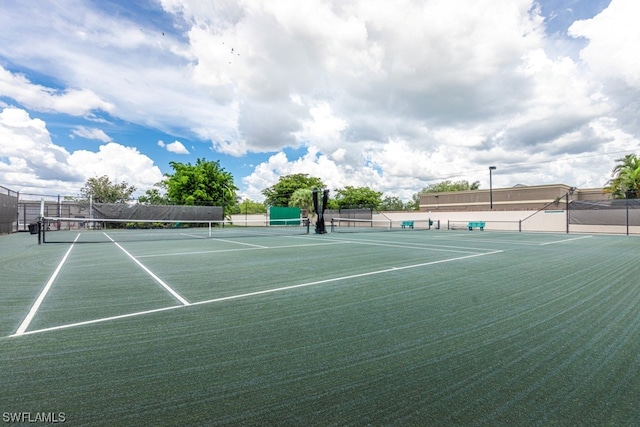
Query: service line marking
x: 252, y: 248
x: 168, y: 288
x: 564, y: 240
x: 266, y: 291
x: 244, y: 243
x: 338, y: 279
x: 36, y: 305
x: 424, y: 246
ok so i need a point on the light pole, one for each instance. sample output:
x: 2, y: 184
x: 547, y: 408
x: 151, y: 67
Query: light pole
x: 491, y: 169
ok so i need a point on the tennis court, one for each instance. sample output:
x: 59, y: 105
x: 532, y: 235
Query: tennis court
x: 410, y: 327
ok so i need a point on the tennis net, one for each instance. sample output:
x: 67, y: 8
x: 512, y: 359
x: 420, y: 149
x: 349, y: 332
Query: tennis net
x: 85, y: 230
x: 354, y: 225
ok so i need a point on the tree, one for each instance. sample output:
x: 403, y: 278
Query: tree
x: 102, y: 190
x: 280, y: 193
x: 441, y: 187
x: 332, y: 204
x: 358, y: 197
x: 153, y: 197
x: 626, y: 178
x: 302, y: 198
x: 414, y: 203
x: 249, y: 207
x: 391, y: 204
x: 448, y: 185
x: 206, y: 182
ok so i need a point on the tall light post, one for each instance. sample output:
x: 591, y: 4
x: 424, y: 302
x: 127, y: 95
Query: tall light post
x: 491, y: 169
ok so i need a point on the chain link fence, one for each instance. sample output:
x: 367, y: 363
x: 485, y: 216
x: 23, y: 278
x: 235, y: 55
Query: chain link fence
x: 8, y: 211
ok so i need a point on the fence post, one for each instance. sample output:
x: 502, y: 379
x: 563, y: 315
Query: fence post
x: 567, y: 197
x: 17, y: 211
x: 626, y: 196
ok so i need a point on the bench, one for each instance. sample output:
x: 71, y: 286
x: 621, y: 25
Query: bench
x: 406, y: 224
x: 476, y: 224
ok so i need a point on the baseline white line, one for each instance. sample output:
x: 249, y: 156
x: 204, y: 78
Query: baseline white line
x: 150, y: 273
x: 565, y: 240
x: 104, y: 319
x: 36, y: 305
x: 267, y: 291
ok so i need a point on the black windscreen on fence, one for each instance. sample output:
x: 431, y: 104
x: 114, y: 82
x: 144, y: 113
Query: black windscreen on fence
x: 29, y: 211
x: 605, y: 212
x: 329, y: 214
x: 8, y: 210
x: 154, y: 212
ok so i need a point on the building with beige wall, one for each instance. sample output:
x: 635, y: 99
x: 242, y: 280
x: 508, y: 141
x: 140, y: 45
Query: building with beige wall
x: 515, y: 198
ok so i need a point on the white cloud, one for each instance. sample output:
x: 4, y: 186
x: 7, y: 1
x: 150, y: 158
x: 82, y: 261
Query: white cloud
x: 31, y: 162
x: 175, y: 147
x: 334, y: 175
x: 323, y: 128
x: 126, y: 68
x: 119, y: 163
x: 391, y: 95
x: 90, y: 133
x: 76, y: 102
x: 25, y: 143
x: 614, y: 37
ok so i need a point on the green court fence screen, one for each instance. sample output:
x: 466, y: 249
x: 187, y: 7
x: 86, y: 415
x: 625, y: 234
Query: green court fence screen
x: 278, y: 213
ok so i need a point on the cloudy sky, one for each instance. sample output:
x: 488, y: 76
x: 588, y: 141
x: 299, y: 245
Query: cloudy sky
x: 393, y: 95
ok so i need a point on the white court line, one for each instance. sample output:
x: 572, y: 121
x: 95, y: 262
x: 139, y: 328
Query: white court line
x: 197, y: 236
x: 34, y: 309
x: 89, y: 322
x: 470, y: 239
x: 150, y: 273
x: 243, y: 243
x: 565, y: 240
x: 215, y: 251
x: 412, y: 245
x: 267, y: 291
x: 338, y: 279
x: 483, y: 240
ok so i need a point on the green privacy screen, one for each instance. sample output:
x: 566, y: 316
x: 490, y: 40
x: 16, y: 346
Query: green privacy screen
x: 279, y: 215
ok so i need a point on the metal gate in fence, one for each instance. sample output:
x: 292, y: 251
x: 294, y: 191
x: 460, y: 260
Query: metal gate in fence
x: 8, y: 210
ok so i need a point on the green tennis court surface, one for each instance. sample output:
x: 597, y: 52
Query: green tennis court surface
x: 381, y: 328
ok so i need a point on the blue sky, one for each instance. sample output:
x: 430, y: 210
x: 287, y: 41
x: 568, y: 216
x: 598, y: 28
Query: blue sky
x: 390, y: 95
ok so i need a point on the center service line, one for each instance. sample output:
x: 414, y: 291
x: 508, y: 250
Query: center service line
x: 150, y: 273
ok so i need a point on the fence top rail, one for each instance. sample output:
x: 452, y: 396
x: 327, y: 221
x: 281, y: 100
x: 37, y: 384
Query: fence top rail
x: 7, y: 191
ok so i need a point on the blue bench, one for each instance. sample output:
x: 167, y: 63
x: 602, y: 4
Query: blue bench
x: 406, y: 224
x: 476, y: 224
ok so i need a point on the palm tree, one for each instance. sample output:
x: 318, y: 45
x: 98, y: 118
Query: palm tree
x: 302, y: 198
x: 626, y: 178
